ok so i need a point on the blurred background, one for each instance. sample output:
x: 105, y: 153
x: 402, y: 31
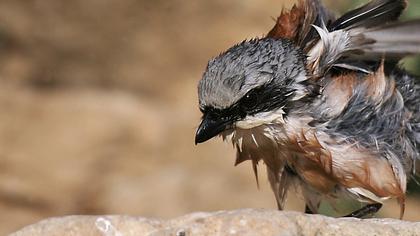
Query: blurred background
x: 98, y: 108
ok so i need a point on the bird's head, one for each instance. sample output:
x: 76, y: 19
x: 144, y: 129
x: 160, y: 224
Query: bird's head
x: 251, y: 84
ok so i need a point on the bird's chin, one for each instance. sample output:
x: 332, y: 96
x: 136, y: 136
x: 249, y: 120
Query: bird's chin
x: 250, y: 140
x: 228, y: 134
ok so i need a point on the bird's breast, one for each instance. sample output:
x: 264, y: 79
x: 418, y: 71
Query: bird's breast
x: 320, y: 160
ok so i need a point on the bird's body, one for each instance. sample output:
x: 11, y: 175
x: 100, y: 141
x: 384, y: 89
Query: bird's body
x: 322, y: 102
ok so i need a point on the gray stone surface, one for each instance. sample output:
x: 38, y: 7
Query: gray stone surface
x: 238, y: 222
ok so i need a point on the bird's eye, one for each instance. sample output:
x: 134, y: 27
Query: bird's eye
x: 250, y: 100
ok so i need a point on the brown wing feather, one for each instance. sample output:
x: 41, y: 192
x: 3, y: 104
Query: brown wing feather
x: 297, y: 23
x: 289, y: 23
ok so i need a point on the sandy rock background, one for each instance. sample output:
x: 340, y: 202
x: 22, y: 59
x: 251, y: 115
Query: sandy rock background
x: 244, y: 222
x: 98, y: 109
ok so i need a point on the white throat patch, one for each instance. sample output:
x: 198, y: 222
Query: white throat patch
x: 262, y: 118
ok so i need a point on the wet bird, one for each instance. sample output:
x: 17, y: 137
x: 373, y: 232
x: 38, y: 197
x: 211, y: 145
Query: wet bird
x: 323, y: 102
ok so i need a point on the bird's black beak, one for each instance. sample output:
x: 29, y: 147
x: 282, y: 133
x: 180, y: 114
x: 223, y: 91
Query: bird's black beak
x: 210, y: 126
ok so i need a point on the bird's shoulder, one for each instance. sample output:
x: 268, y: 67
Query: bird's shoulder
x: 378, y: 111
x: 360, y: 104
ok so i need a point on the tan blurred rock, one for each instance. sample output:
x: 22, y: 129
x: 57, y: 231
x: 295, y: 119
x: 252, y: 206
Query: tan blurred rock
x: 98, y: 109
x: 238, y: 222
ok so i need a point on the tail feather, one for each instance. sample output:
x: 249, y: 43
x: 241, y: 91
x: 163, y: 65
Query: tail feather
x: 394, y: 40
x: 368, y: 33
x: 374, y: 13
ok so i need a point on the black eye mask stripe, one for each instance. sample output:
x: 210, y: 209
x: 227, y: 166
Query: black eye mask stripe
x: 265, y: 98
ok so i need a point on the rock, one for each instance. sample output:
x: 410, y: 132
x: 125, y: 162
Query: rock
x: 237, y: 222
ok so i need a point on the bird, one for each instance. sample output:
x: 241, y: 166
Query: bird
x: 323, y: 102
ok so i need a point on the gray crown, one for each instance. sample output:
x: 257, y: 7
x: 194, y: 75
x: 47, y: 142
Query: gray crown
x: 249, y: 65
